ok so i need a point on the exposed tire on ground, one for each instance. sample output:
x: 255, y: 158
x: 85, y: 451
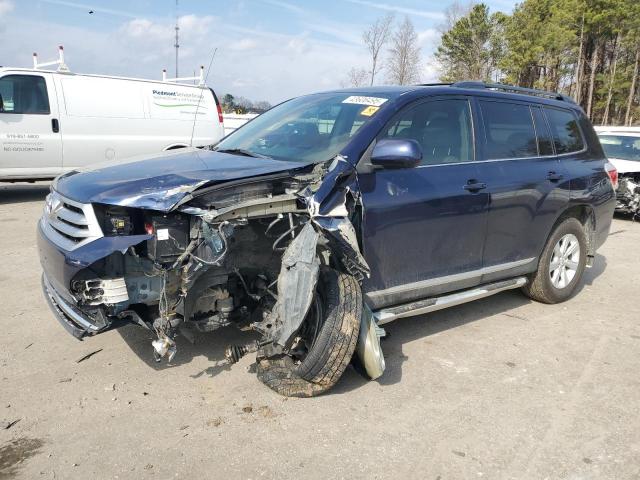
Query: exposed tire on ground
x: 332, y: 350
x: 541, y: 284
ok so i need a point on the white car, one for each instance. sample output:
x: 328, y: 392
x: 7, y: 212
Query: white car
x: 54, y: 121
x: 622, y: 147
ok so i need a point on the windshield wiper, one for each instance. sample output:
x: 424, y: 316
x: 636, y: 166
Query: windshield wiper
x: 242, y: 151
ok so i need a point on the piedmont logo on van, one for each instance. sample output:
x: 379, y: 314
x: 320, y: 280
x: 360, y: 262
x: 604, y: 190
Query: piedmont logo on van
x: 173, y: 99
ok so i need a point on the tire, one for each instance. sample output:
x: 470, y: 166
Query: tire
x: 333, y: 347
x: 545, y: 285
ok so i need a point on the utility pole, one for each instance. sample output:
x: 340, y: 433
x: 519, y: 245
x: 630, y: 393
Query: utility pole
x: 177, y: 44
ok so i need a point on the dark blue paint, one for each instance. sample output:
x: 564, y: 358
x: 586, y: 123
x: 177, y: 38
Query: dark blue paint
x: 396, y: 153
x: 160, y: 182
x: 418, y: 223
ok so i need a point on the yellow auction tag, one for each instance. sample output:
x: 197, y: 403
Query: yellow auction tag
x: 367, y: 112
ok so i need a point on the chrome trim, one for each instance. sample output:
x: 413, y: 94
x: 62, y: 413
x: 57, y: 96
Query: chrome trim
x: 420, y: 307
x: 457, y: 277
x: 66, y: 310
x: 67, y: 228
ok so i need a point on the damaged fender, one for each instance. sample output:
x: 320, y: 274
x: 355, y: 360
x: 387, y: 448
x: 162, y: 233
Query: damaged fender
x: 296, y: 284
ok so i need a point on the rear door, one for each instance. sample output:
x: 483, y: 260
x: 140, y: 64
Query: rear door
x: 29, y: 126
x: 424, y: 227
x: 526, y: 182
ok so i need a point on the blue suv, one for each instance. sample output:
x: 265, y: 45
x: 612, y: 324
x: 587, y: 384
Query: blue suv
x: 328, y: 216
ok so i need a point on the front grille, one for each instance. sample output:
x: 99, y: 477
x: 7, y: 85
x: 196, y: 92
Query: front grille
x: 69, y: 224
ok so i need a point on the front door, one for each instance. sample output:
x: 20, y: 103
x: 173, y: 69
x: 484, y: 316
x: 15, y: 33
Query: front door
x: 30, y: 141
x: 424, y: 227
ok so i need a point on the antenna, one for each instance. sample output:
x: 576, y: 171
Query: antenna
x: 177, y: 44
x: 202, y: 86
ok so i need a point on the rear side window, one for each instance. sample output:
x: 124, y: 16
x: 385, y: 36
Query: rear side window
x: 566, y: 133
x: 26, y: 94
x: 443, y: 128
x: 542, y: 132
x: 509, y: 130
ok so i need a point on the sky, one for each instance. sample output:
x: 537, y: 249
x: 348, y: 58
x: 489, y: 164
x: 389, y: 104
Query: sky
x: 264, y: 49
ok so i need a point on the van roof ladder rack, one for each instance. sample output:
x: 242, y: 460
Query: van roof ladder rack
x: 62, y: 67
x: 513, y: 89
x: 200, y: 77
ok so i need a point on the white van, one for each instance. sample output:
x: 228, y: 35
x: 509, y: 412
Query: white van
x: 53, y: 121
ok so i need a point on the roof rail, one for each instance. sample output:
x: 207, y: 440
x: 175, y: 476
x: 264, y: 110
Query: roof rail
x: 511, y: 88
x: 200, y: 77
x: 62, y: 67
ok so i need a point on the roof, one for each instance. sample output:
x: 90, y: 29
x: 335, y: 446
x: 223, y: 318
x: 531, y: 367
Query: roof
x: 73, y: 74
x: 468, y: 88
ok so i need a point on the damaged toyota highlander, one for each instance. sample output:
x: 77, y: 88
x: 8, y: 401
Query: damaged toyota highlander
x: 328, y: 216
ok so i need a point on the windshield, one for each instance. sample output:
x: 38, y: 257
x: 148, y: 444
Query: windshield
x: 622, y: 147
x: 313, y: 128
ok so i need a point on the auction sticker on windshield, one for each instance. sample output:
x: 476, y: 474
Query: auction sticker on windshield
x: 360, y: 100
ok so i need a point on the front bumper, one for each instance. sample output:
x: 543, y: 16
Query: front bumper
x: 60, y: 267
x: 74, y: 321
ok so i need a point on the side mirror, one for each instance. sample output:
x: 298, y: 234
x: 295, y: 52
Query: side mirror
x: 396, y: 153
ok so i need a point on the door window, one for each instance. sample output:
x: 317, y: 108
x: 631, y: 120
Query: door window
x: 565, y: 130
x: 25, y: 94
x: 442, y: 127
x: 509, y: 130
x: 542, y: 132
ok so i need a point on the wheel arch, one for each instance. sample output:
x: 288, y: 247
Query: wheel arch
x: 585, y: 214
x: 174, y: 146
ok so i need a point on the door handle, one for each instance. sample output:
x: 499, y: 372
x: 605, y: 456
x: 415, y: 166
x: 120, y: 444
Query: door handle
x: 55, y: 125
x: 474, y: 186
x: 554, y: 177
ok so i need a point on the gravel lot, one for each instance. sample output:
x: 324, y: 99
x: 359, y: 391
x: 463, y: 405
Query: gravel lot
x: 499, y: 388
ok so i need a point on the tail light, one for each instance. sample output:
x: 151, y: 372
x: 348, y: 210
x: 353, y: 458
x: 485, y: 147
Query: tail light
x: 220, y: 119
x: 613, y: 174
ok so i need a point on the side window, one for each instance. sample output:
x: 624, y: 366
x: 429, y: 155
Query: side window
x: 25, y: 94
x: 566, y: 133
x: 509, y: 130
x: 442, y: 127
x: 542, y: 132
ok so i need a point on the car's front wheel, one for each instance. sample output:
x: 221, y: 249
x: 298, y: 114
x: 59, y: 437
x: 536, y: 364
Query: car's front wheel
x: 326, y: 341
x: 561, y: 265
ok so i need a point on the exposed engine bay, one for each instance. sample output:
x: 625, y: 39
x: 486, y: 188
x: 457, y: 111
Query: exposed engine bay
x: 247, y: 254
x: 628, y: 194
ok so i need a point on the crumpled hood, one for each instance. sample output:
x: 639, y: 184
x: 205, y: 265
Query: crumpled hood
x: 160, y: 182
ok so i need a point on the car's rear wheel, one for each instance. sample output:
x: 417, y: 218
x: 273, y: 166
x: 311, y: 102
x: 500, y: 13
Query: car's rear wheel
x: 561, y: 265
x: 326, y: 341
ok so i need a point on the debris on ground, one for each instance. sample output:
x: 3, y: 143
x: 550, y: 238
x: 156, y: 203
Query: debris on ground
x: 88, y: 355
x: 8, y: 425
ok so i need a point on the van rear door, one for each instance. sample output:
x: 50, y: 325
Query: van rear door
x: 29, y: 126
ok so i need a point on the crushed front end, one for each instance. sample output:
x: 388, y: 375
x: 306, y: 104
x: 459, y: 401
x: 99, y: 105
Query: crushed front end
x: 245, y: 253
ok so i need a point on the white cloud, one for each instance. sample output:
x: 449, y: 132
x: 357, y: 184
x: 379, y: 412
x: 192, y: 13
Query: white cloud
x: 429, y: 38
x: 404, y: 10
x: 6, y: 6
x: 244, y: 44
x: 250, y: 62
x: 287, y: 6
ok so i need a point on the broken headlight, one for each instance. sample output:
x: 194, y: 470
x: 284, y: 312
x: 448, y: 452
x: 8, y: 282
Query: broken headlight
x: 117, y: 224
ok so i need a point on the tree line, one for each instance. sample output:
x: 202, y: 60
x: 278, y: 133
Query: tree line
x: 241, y: 105
x: 587, y: 49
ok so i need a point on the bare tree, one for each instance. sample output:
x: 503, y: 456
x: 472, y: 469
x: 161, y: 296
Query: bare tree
x: 375, y: 38
x: 356, y: 77
x: 403, y: 65
x: 453, y: 13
